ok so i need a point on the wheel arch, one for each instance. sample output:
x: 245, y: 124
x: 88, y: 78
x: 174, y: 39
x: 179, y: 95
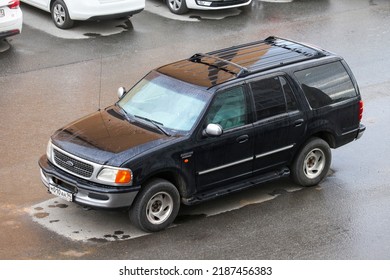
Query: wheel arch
x: 327, y: 136
x: 171, y: 176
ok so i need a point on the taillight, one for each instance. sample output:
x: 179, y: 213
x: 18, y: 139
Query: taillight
x: 360, y: 110
x: 14, y: 4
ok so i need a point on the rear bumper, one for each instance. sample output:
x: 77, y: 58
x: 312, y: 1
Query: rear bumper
x: 115, y: 16
x: 84, y: 192
x: 94, y: 9
x: 9, y: 33
x: 12, y: 25
x: 361, y: 130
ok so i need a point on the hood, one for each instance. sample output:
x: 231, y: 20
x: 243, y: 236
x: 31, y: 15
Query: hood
x: 106, y: 135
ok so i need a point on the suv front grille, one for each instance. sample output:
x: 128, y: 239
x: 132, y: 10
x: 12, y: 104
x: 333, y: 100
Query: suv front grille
x: 73, y: 165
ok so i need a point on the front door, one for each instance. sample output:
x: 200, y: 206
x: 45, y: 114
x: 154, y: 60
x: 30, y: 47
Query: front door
x: 224, y: 159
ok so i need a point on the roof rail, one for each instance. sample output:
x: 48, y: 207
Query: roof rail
x: 242, y: 70
x: 272, y: 40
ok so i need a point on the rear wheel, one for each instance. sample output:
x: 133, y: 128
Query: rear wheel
x: 312, y: 163
x: 60, y: 15
x: 156, y: 206
x: 178, y: 7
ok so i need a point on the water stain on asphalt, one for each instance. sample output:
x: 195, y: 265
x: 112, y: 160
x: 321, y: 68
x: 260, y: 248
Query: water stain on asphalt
x: 61, y: 205
x: 41, y: 215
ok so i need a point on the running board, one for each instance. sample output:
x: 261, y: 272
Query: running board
x: 208, y: 195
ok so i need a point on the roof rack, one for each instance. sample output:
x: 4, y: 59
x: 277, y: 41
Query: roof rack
x: 242, y: 70
x: 243, y: 55
x: 216, y: 67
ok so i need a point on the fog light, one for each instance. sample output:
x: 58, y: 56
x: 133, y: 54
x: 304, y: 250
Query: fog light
x: 204, y: 3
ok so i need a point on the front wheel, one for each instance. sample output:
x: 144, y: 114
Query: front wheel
x: 178, y: 7
x: 60, y: 15
x: 156, y: 206
x: 312, y: 163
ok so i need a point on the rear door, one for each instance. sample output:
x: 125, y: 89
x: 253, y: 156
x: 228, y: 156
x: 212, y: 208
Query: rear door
x: 278, y: 126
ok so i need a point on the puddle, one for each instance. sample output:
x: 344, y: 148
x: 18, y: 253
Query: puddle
x: 87, y: 224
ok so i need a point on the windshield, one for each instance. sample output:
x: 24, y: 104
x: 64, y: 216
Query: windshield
x: 165, y: 101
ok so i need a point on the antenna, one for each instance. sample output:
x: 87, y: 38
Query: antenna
x: 100, y: 83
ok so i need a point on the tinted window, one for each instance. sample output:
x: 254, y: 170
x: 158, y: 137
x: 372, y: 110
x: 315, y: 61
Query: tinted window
x: 288, y: 93
x: 269, y: 98
x: 228, y: 108
x: 326, y: 84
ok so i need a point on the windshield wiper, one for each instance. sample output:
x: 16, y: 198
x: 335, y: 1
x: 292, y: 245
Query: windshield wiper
x: 129, y: 117
x: 156, y: 124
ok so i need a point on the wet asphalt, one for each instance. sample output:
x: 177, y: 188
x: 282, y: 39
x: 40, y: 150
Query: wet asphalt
x: 47, y: 81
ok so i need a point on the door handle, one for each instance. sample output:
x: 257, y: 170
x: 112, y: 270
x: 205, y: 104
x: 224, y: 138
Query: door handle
x: 242, y: 139
x: 298, y: 122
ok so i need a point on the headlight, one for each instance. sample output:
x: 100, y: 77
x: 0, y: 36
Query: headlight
x: 49, y: 150
x: 122, y: 176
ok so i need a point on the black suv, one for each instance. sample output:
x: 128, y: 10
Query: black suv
x: 206, y: 126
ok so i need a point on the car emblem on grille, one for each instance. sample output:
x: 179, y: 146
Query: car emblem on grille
x: 69, y: 163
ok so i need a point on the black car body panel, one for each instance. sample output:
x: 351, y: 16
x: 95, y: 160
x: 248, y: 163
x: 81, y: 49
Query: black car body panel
x: 269, y: 98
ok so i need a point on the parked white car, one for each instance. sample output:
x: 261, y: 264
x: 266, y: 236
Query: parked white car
x: 11, y: 18
x: 65, y: 12
x: 182, y: 6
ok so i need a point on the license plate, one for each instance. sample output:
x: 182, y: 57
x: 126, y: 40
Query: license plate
x: 61, y: 193
x: 2, y: 13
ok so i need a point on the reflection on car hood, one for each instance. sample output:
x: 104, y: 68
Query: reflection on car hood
x: 107, y: 135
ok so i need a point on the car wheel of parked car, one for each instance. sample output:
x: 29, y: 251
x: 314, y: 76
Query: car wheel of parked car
x: 312, y: 163
x: 60, y: 15
x: 178, y: 7
x: 156, y: 206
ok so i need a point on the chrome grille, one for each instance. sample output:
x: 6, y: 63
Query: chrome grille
x: 72, y: 165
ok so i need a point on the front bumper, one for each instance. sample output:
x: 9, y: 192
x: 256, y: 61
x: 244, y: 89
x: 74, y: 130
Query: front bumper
x: 85, y: 192
x: 216, y: 4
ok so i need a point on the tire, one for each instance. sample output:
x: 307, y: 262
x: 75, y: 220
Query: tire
x: 178, y: 7
x: 312, y: 163
x: 156, y: 206
x: 60, y: 15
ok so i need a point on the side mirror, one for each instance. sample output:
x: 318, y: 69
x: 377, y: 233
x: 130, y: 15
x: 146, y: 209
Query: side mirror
x: 121, y: 92
x: 213, y: 130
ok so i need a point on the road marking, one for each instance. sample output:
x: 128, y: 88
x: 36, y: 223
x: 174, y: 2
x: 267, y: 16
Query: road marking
x: 84, y: 224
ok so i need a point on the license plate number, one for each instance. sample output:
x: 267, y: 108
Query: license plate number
x: 61, y: 193
x: 2, y: 13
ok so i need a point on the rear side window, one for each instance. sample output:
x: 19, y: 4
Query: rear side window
x: 326, y: 84
x: 269, y: 98
x: 272, y: 96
